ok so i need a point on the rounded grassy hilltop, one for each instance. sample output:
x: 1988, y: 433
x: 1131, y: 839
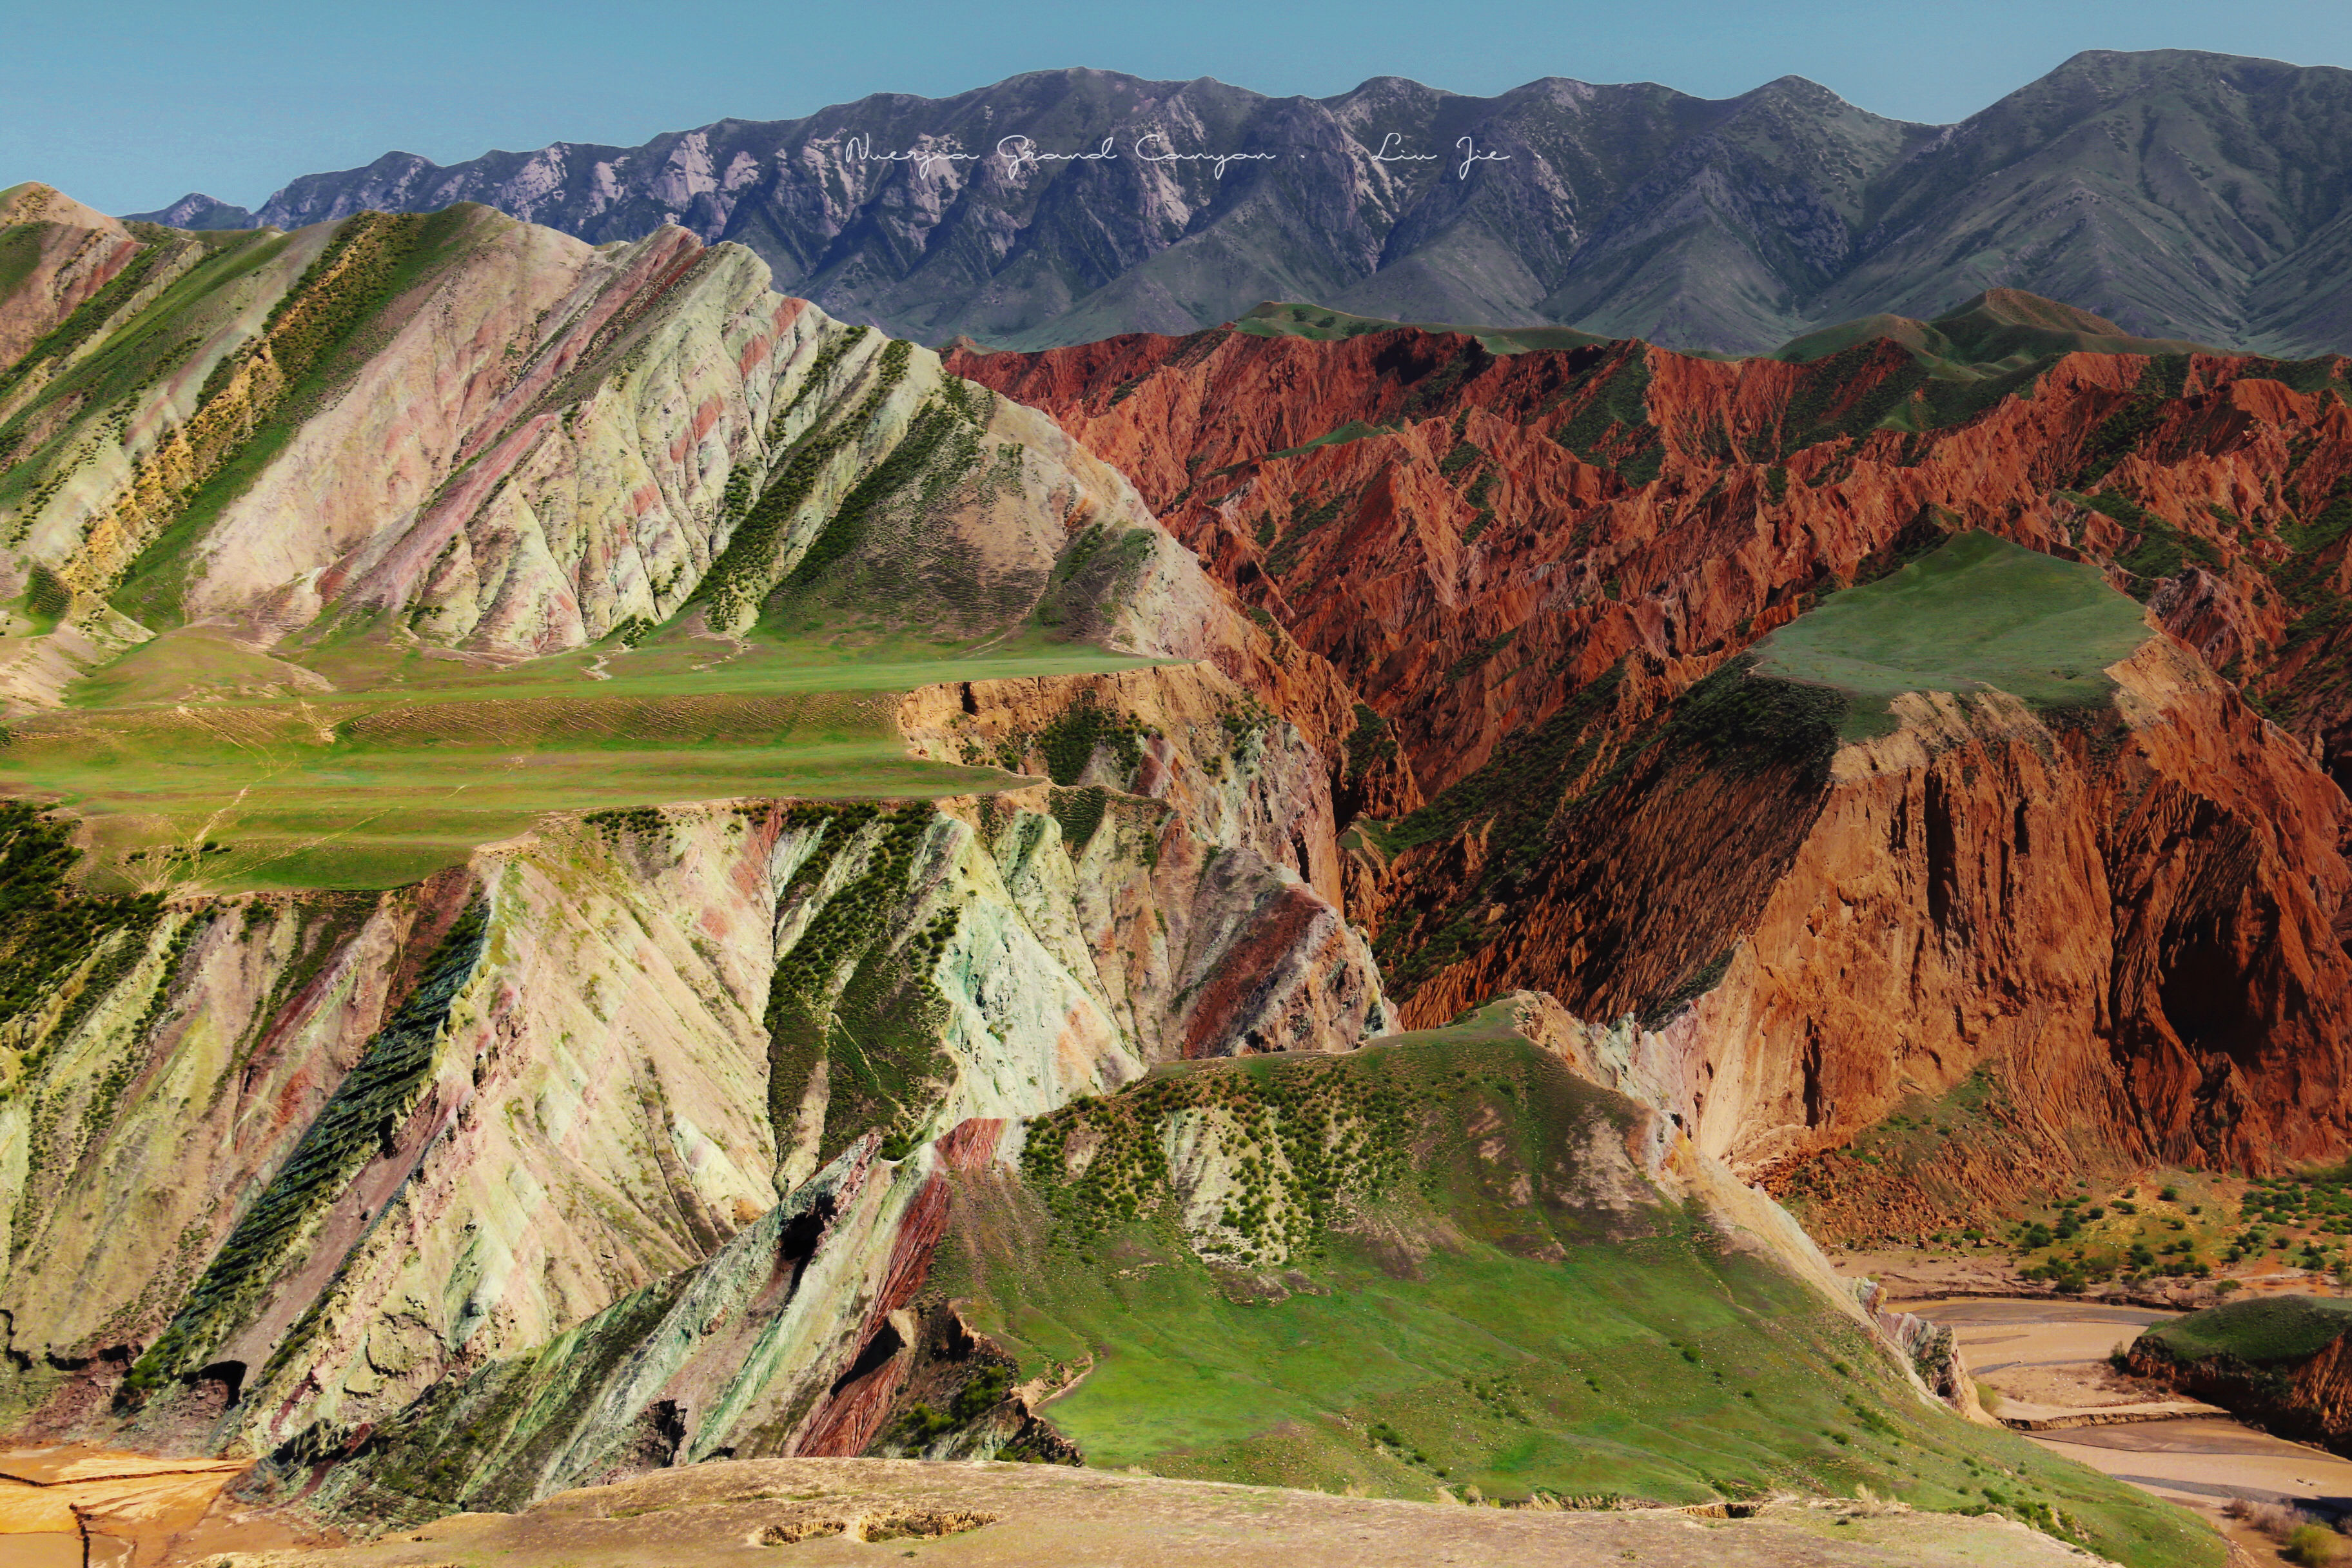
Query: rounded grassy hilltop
x: 2279, y: 1361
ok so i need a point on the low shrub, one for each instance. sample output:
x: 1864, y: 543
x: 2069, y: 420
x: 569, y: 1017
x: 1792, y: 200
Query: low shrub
x: 2314, y: 1545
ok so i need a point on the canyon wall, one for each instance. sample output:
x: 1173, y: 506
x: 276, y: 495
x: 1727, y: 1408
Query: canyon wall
x: 1536, y: 571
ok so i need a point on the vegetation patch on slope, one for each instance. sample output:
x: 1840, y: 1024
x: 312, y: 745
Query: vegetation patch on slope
x: 254, y: 401
x: 1430, y: 1264
x: 1979, y: 614
x: 356, y: 1124
x: 853, y: 991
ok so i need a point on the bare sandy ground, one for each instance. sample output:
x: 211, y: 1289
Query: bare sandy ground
x: 2048, y: 1357
x: 2210, y: 1458
x: 833, y: 1512
x: 67, y: 1505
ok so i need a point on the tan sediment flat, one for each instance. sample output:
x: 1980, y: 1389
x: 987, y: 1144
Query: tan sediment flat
x: 82, y: 1462
x: 125, y: 1511
x: 2047, y: 1358
x: 1997, y: 1335
x: 41, y: 1551
x: 33, y: 1511
x: 2207, y: 1458
x: 836, y: 1511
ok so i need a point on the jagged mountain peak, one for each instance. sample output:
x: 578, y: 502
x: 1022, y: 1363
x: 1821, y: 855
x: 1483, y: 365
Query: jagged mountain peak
x: 197, y: 211
x: 1728, y: 225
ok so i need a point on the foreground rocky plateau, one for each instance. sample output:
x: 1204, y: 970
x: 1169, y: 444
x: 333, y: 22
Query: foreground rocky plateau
x: 605, y: 874
x: 1007, y: 1514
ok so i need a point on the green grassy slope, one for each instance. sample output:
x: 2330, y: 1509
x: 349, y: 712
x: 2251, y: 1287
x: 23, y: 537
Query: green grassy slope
x: 1457, y: 1281
x: 1278, y: 319
x: 197, y: 763
x: 1999, y: 330
x: 1978, y: 614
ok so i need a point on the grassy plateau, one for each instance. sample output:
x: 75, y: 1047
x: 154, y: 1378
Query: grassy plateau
x: 195, y: 762
x: 1978, y: 614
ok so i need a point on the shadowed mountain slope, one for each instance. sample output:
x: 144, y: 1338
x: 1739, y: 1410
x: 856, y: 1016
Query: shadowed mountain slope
x: 2177, y: 194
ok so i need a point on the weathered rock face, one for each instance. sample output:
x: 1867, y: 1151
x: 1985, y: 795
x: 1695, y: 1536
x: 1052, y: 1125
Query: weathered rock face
x: 2129, y: 928
x: 1240, y: 910
x: 385, y: 1142
x: 1523, y: 566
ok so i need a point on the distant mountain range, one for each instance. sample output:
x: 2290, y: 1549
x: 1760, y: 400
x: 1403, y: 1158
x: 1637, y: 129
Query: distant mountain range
x: 2177, y: 194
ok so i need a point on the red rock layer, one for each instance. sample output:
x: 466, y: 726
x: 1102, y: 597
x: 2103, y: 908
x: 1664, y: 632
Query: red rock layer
x: 852, y: 1413
x: 2137, y: 928
x: 1405, y: 589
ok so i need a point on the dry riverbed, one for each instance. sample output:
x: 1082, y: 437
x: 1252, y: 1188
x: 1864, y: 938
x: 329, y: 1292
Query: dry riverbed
x: 70, y: 1505
x: 2044, y: 1362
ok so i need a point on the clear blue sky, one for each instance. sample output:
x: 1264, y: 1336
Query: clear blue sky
x: 128, y: 103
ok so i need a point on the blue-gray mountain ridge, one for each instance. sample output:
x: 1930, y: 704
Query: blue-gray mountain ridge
x: 2179, y: 193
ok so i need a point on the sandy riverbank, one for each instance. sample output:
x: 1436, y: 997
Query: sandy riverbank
x: 2046, y: 1358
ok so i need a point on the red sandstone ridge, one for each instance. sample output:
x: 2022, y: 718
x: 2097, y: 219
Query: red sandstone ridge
x: 1401, y: 502
x: 2130, y: 925
x: 1521, y: 563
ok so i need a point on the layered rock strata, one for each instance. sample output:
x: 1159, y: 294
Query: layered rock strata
x: 2133, y: 922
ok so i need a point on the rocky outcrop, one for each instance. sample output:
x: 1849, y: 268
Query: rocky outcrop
x: 1239, y: 910
x: 2280, y: 1363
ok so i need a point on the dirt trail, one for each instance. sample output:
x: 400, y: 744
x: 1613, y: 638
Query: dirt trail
x: 991, y: 1515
